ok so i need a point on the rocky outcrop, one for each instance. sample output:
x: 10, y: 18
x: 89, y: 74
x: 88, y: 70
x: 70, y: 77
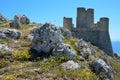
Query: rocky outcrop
x: 19, y: 20
x: 70, y: 65
x: 2, y: 18
x: 63, y: 50
x: 85, y: 49
x: 9, y: 33
x: 102, y: 69
x: 66, y: 33
x: 48, y: 39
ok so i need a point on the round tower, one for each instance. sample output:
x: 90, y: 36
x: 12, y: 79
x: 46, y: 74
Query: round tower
x: 80, y: 11
x: 104, y: 23
x: 90, y: 17
x: 81, y: 17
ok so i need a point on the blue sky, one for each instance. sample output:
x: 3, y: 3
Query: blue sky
x: 53, y: 11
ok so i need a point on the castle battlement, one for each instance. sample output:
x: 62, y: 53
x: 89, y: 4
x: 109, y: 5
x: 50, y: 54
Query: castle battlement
x: 97, y: 34
x: 104, y: 23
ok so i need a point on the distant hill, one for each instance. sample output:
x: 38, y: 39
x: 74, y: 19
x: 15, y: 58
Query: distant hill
x: 116, y: 46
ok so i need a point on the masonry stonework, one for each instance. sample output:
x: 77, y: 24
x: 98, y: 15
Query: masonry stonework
x: 97, y: 34
x: 67, y: 23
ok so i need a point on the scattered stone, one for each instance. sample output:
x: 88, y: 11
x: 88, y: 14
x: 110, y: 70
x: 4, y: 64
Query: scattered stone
x: 36, y: 69
x: 4, y: 48
x: 2, y: 18
x: 85, y: 49
x: 9, y: 33
x: 46, y: 38
x: 19, y: 20
x: 70, y: 65
x: 29, y: 37
x: 101, y: 67
x: 81, y: 43
x: 63, y: 50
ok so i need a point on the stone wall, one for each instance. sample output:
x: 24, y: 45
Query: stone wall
x: 105, y: 42
x: 98, y: 38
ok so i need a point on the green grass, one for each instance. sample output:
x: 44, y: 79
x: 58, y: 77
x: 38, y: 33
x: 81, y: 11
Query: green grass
x: 3, y: 63
x: 5, y: 25
x: 8, y: 77
x: 21, y: 55
x: 49, y: 68
x: 116, y: 67
x: 18, y: 66
x: 52, y: 66
x: 71, y: 42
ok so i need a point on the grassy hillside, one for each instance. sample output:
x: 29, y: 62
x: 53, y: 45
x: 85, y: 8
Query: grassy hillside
x: 18, y: 65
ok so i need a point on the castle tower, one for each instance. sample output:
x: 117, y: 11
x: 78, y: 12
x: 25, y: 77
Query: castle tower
x: 104, y: 23
x: 89, y: 17
x: 104, y: 37
x: 67, y: 23
x: 85, y: 18
x: 81, y: 18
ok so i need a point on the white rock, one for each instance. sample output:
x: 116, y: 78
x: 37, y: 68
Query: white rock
x: 29, y: 37
x: 4, y: 48
x: 70, y: 65
x: 63, y: 50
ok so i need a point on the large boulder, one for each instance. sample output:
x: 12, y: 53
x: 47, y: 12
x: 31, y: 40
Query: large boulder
x: 19, y: 20
x: 9, y: 33
x: 70, y: 65
x: 2, y: 18
x: 24, y: 19
x: 84, y: 48
x: 63, y: 50
x: 46, y: 38
x: 102, y: 69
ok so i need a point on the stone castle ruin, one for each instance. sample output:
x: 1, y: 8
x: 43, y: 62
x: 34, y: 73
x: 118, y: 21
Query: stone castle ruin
x: 97, y: 34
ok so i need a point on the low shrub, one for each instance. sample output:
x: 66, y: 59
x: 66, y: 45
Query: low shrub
x: 71, y: 42
x: 22, y: 55
x: 82, y: 74
x: 3, y: 63
x: 8, y: 77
